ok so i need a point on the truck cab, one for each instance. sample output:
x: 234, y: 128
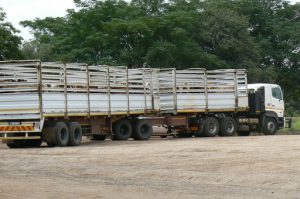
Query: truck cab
x: 272, y: 105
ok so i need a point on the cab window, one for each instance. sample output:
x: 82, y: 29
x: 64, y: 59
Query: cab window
x: 276, y: 92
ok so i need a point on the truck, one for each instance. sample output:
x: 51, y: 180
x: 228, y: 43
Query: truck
x: 59, y: 103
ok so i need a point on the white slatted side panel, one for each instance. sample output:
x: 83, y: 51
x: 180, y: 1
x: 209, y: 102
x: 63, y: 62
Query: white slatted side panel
x: 242, y: 88
x: 99, y: 89
x: 77, y: 88
x: 19, y: 88
x: 139, y: 90
x: 167, y: 90
x: 118, y: 89
x: 221, y: 89
x: 190, y: 85
x: 53, y: 81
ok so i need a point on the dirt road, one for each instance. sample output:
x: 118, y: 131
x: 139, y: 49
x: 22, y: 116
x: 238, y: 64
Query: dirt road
x: 233, y: 167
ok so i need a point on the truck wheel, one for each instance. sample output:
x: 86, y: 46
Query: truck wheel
x: 142, y: 130
x: 75, y: 134
x: 98, y: 137
x: 122, y: 130
x: 211, y: 127
x: 270, y: 126
x: 243, y: 133
x: 61, y: 134
x: 228, y: 127
x: 56, y: 134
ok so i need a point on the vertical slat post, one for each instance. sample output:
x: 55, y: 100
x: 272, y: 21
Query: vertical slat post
x: 88, y: 91
x: 40, y: 87
x: 65, y: 90
x: 151, y: 89
x: 236, y: 90
x: 174, y: 90
x: 127, y: 90
x: 206, y: 91
x: 145, y: 91
x: 108, y: 92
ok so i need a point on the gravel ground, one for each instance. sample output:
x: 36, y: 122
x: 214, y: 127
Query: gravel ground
x: 229, y: 167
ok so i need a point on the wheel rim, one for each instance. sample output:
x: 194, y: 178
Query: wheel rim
x: 271, y: 126
x: 229, y: 127
x: 212, y: 127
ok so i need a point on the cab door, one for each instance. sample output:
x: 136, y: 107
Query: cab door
x: 277, y: 100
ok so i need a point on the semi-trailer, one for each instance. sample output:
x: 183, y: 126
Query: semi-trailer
x: 58, y: 103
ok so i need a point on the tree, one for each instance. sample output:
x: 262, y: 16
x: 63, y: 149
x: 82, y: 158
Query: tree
x: 275, y: 24
x: 149, y: 33
x: 35, y: 50
x: 9, y: 41
x: 259, y: 35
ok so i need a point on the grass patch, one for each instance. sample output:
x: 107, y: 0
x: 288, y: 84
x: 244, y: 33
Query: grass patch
x: 295, y: 126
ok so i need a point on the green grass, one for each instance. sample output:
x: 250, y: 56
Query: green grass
x: 295, y: 126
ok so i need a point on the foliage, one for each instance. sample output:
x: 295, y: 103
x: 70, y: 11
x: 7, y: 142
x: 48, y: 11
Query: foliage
x: 275, y: 24
x: 9, y: 42
x: 150, y: 33
x: 262, y: 36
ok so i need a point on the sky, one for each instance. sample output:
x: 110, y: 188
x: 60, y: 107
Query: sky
x: 20, y: 10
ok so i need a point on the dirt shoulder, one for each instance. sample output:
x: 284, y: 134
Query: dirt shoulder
x: 233, y: 167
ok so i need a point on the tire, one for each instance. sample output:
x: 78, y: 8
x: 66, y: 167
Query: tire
x: 211, y: 127
x: 57, y: 135
x: 122, y: 130
x: 228, y: 127
x: 98, y: 137
x: 61, y: 134
x: 243, y: 133
x: 270, y: 126
x: 75, y: 134
x: 142, y: 130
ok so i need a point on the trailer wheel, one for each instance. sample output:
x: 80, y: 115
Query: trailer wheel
x: 243, y: 133
x: 142, y: 130
x: 122, y: 130
x: 75, y: 134
x: 228, y: 127
x: 211, y: 127
x: 270, y: 126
